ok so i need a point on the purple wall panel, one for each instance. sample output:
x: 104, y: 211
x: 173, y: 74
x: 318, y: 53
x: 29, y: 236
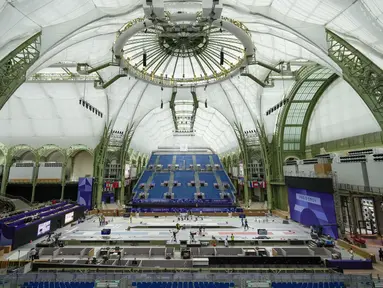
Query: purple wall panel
x: 85, y: 191
x: 313, y: 208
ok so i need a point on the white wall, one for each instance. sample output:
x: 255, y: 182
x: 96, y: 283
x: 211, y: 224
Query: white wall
x: 340, y: 113
x: 82, y: 165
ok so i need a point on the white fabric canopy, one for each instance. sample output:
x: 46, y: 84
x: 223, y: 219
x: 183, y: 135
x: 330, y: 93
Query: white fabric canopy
x: 83, y: 31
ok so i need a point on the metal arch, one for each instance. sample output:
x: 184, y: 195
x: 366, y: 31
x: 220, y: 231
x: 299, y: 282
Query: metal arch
x: 299, y: 106
x: 14, y: 66
x: 311, y: 108
x: 73, y: 150
x: 303, y: 74
x: 48, y: 149
x: 360, y: 72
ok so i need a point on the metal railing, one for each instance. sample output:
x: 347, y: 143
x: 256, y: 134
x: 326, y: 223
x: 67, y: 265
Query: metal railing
x: 240, y: 279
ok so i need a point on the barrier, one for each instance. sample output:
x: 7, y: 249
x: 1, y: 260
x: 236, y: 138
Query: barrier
x: 359, y: 251
x: 350, y: 264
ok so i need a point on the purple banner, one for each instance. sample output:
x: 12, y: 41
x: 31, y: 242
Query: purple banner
x: 312, y: 209
x: 85, y: 192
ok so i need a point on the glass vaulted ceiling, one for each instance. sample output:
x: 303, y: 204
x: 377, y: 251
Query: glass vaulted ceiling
x: 78, y: 31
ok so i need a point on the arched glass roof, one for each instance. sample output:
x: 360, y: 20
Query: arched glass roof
x: 84, y: 31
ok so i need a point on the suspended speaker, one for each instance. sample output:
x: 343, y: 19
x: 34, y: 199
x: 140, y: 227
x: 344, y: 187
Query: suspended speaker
x: 144, y: 59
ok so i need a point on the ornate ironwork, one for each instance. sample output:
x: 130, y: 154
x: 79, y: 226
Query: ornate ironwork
x: 14, y: 66
x: 185, y: 54
x: 360, y: 72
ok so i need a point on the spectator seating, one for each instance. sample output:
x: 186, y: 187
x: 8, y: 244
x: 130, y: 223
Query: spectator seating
x: 210, y: 191
x: 216, y: 160
x: 186, y: 160
x: 184, y: 191
x: 144, y: 178
x: 166, y: 160
x: 224, y: 178
x: 202, y: 160
x: 157, y: 192
x: 308, y: 285
x: 152, y: 160
x: 182, y: 285
x: 58, y: 285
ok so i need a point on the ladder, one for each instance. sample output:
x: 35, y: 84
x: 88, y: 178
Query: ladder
x: 197, y: 183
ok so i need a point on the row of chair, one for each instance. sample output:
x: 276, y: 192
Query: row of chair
x: 182, y: 284
x: 58, y: 285
x: 308, y: 285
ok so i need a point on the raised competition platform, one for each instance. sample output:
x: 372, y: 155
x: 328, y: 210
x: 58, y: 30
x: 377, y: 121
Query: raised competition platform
x: 160, y: 230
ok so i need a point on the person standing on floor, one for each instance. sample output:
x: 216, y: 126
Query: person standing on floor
x: 232, y: 239
x: 226, y: 242
x: 351, y: 254
x: 380, y: 254
x: 131, y: 218
x: 246, y: 224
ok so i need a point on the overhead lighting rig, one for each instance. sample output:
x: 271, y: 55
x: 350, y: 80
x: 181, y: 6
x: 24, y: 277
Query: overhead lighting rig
x: 85, y: 69
x: 90, y: 107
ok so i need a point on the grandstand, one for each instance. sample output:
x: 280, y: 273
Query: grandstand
x: 185, y: 180
x: 191, y: 144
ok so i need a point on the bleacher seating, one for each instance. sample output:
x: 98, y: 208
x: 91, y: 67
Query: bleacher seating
x: 216, y: 160
x: 144, y: 178
x: 152, y: 160
x: 202, y: 160
x: 182, y: 284
x: 184, y: 161
x: 210, y: 190
x: 166, y: 160
x: 157, y: 192
x: 224, y: 178
x: 308, y: 285
x: 58, y: 285
x: 183, y: 195
x: 184, y: 191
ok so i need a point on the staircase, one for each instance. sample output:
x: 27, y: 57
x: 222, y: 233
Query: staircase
x: 211, y: 162
x: 171, y: 182
x: 194, y: 162
x: 174, y: 161
x: 150, y: 179
x: 312, y: 244
x: 197, y: 183
x: 219, y: 182
x: 157, y: 160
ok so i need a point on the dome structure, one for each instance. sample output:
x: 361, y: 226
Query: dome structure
x: 171, y: 68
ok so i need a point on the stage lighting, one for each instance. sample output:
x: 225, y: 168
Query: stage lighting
x: 144, y: 59
x: 222, y: 58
